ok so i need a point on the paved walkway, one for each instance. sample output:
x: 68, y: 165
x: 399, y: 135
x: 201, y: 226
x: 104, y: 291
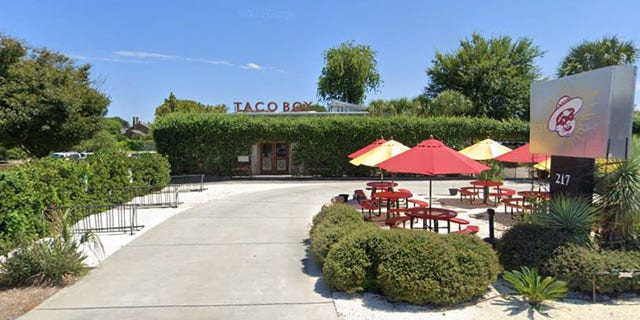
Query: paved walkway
x: 238, y: 258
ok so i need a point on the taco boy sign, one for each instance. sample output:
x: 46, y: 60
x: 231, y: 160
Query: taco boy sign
x: 272, y: 106
x: 584, y: 115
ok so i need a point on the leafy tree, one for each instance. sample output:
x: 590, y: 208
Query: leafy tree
x: 171, y: 104
x: 349, y: 72
x: 590, y: 55
x: 495, y: 74
x: 114, y: 126
x: 449, y: 103
x: 392, y: 107
x: 123, y: 123
x: 47, y: 103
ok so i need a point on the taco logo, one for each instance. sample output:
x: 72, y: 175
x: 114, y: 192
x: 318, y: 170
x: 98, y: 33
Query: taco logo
x: 563, y: 118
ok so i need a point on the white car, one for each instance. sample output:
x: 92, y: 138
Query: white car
x: 65, y: 155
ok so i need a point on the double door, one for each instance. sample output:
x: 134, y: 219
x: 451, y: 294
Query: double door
x: 274, y: 158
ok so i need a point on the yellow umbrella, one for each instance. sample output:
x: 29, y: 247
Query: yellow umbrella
x: 544, y: 165
x: 380, y: 153
x: 602, y: 164
x: 485, y: 150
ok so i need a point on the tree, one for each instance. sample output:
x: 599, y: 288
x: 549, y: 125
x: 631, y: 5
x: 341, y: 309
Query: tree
x: 449, y: 103
x: 590, y: 55
x: 171, y: 104
x: 620, y: 202
x: 349, y: 72
x: 392, y: 107
x: 47, y: 103
x: 495, y: 74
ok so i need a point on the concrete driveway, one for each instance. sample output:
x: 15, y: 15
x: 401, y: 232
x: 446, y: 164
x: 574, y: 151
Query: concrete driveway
x: 242, y: 257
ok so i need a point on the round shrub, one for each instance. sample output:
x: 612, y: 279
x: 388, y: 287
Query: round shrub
x: 529, y: 245
x: 351, y: 264
x: 335, y: 214
x: 331, y: 225
x: 576, y: 265
x: 428, y: 268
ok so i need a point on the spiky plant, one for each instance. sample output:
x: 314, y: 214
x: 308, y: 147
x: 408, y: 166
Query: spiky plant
x: 535, y: 290
x: 569, y: 214
x: 51, y: 261
x: 620, y: 202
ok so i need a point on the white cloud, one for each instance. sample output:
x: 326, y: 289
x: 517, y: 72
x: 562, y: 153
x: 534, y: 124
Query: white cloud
x: 143, y: 55
x: 214, y: 62
x: 252, y: 66
x: 77, y: 57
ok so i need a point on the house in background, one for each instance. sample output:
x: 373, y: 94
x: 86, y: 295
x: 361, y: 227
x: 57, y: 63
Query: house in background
x: 137, y: 128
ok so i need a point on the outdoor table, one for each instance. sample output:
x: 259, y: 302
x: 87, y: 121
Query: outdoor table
x: 485, y: 184
x: 535, y: 197
x: 543, y: 195
x: 391, y: 197
x: 435, y: 214
x: 381, y: 185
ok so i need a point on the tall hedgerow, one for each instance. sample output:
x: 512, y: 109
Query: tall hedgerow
x: 210, y: 143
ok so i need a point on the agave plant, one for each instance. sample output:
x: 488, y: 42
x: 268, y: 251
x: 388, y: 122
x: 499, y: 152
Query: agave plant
x: 620, y: 202
x: 570, y: 214
x: 535, y: 290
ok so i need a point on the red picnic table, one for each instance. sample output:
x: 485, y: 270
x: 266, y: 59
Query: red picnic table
x: 392, y: 198
x: 381, y: 185
x: 431, y: 214
x: 485, y: 184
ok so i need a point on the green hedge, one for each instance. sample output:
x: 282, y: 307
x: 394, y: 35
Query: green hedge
x: 413, y: 266
x: 210, y: 143
x: 529, y: 245
x: 101, y: 179
x: 576, y: 265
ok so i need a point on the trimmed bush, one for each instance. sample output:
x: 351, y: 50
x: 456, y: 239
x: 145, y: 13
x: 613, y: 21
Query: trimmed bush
x: 335, y: 214
x: 529, y: 245
x: 210, y: 143
x: 151, y: 169
x: 331, y: 225
x: 428, y: 268
x: 352, y: 264
x: 576, y: 265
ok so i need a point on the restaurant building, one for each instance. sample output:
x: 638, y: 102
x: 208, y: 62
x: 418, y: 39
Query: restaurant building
x: 270, y: 157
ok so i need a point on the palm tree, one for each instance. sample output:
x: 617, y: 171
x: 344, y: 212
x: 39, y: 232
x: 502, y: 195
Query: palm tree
x: 620, y: 202
x: 590, y: 55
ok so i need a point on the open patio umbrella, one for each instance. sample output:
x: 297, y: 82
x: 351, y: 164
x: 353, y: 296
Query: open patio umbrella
x: 372, y: 145
x: 522, y: 155
x: 432, y: 157
x: 380, y: 153
x: 544, y: 165
x: 485, y: 150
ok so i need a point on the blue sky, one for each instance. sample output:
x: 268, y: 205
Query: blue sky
x: 220, y: 52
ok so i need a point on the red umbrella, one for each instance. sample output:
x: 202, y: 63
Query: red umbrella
x: 367, y: 148
x: 432, y: 157
x: 522, y: 155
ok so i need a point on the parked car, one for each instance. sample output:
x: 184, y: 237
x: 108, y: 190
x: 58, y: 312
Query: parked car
x: 65, y: 155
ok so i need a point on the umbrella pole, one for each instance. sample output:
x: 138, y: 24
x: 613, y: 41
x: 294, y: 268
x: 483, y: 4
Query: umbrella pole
x: 424, y: 221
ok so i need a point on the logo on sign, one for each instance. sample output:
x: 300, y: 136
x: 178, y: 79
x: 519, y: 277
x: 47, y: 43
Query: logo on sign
x: 563, y: 119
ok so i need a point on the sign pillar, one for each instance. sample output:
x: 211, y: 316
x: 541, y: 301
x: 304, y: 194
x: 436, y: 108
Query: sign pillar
x: 571, y: 175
